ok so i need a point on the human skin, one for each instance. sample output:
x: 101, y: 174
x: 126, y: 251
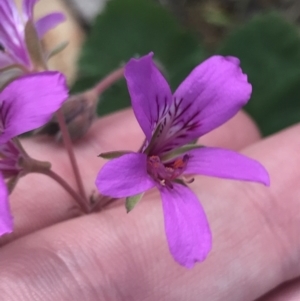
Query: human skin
x: 54, y: 254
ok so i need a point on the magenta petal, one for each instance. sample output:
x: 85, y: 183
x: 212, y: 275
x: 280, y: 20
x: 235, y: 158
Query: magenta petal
x: 5, y: 60
x: 9, y: 16
x: 10, y: 158
x: 213, y: 93
x: 224, y: 163
x: 48, y: 22
x: 12, y: 32
x: 150, y: 93
x: 186, y: 225
x: 29, y: 102
x: 124, y: 176
x: 28, y: 6
x: 6, y: 221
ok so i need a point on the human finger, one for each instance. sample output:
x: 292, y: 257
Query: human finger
x: 287, y: 292
x: 115, y: 256
x: 38, y: 201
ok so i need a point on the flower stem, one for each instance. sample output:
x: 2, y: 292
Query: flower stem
x: 97, y: 90
x: 20, y: 146
x: 68, y: 145
x: 79, y: 199
x: 100, y: 202
x: 30, y: 165
x: 108, y: 81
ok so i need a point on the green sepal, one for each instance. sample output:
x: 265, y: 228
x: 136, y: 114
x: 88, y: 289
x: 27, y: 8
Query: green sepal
x: 34, y: 47
x: 131, y: 201
x: 12, y: 183
x: 179, y: 151
x: 154, y: 137
x: 60, y: 47
x: 12, y: 66
x: 181, y: 182
x: 113, y: 155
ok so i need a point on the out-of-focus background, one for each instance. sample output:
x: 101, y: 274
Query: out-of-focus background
x: 264, y: 34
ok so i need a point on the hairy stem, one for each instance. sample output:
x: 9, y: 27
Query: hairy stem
x: 79, y: 199
x: 68, y: 145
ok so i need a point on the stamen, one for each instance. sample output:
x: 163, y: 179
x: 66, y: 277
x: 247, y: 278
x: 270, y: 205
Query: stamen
x: 165, y: 174
x: 163, y: 182
x: 188, y: 181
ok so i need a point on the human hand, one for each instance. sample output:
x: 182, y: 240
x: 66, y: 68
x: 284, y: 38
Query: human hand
x: 112, y: 255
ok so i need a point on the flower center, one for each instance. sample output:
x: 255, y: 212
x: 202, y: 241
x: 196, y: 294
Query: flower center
x: 165, y: 173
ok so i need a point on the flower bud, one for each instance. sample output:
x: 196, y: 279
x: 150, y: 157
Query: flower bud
x: 79, y: 112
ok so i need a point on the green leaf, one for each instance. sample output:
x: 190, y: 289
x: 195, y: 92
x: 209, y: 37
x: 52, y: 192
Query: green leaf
x: 132, y: 28
x: 180, y: 182
x: 269, y: 50
x: 131, y: 201
x: 60, y: 47
x: 113, y: 154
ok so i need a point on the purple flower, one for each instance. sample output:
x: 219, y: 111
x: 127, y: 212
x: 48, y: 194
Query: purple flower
x: 10, y: 159
x: 29, y: 102
x: 25, y: 104
x: 212, y: 94
x: 12, y: 31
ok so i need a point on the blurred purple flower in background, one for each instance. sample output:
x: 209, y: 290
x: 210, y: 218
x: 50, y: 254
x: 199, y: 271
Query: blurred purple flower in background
x: 212, y: 94
x: 12, y: 31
